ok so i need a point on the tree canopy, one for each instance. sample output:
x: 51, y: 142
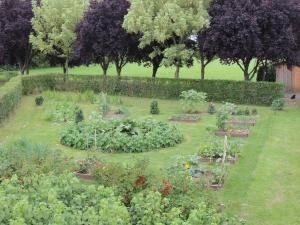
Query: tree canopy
x: 15, y: 27
x: 101, y: 37
x: 251, y: 30
x: 160, y: 21
x: 54, y: 24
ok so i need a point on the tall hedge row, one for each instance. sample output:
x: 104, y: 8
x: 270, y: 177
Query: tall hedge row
x: 240, y: 92
x: 10, y: 96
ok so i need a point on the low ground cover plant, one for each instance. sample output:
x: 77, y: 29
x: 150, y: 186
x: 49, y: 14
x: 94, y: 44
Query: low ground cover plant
x: 121, y: 135
x: 23, y: 158
x: 214, y: 150
x: 60, y: 112
x: 192, y: 101
x: 278, y: 104
x: 39, y: 100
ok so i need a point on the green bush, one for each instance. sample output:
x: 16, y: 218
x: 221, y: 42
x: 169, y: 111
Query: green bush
x: 61, y: 112
x: 10, y: 96
x: 79, y: 117
x: 154, y: 108
x: 121, y: 136
x: 239, y: 92
x: 53, y: 199
x: 192, y: 101
x: 39, y: 100
x: 24, y: 158
x: 211, y: 108
x: 278, y: 104
x: 254, y: 112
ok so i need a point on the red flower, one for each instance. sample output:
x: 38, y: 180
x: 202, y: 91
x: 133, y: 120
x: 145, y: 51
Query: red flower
x: 140, y: 181
x: 168, y: 187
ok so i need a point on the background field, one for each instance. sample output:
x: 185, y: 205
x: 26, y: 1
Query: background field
x: 215, y: 70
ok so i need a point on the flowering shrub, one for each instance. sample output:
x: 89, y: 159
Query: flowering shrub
x: 192, y: 100
x: 121, y: 135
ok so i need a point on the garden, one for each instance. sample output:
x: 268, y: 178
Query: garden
x: 148, y: 112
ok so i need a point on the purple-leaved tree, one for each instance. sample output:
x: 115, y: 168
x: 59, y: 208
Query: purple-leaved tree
x: 102, y: 39
x: 15, y: 27
x: 250, y: 32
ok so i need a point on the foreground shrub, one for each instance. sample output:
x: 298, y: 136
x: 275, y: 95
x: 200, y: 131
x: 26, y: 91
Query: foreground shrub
x: 278, y: 104
x: 44, y: 199
x: 24, y: 158
x: 121, y: 135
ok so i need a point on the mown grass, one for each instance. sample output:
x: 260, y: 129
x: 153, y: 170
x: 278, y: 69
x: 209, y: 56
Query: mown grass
x: 263, y: 187
x: 215, y: 70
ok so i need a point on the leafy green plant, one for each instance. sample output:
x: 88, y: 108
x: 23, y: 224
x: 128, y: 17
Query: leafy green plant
x: 278, y: 104
x: 79, y: 117
x: 154, y: 108
x: 211, y: 108
x: 105, y: 103
x: 24, y: 158
x: 254, y: 112
x: 192, y: 101
x: 61, y: 112
x: 39, y: 100
x: 123, y: 110
x: 121, y: 136
x: 247, y: 112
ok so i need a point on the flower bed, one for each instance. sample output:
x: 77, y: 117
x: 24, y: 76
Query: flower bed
x: 121, y: 135
x: 233, y: 133
x: 243, y: 121
x: 186, y: 118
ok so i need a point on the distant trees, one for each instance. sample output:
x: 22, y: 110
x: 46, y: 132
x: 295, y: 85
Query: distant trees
x: 248, y: 31
x: 102, y: 39
x: 15, y: 27
x: 167, y: 20
x: 54, y: 24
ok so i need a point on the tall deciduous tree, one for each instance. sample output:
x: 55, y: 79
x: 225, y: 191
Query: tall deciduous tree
x: 15, y: 27
x: 251, y: 31
x: 163, y: 20
x: 54, y: 24
x: 101, y: 37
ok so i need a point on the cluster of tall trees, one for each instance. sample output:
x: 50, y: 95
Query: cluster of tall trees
x: 249, y: 33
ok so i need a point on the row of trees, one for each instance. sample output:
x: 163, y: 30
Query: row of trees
x: 156, y: 33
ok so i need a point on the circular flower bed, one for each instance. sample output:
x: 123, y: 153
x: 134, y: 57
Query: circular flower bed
x: 121, y: 136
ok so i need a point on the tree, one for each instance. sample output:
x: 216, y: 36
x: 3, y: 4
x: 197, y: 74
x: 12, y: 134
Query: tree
x: 101, y: 37
x: 205, y: 53
x: 54, y: 24
x: 15, y: 27
x: 174, y: 20
x: 251, y: 30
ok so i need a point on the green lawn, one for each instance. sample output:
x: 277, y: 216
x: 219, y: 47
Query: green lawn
x: 215, y: 70
x: 263, y: 187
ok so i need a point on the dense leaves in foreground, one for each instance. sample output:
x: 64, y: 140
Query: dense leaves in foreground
x: 121, y: 135
x: 42, y: 199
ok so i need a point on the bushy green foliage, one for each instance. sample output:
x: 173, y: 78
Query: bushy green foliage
x: 52, y: 199
x: 192, y: 101
x: 215, y: 150
x: 126, y: 179
x: 254, y: 112
x: 10, y: 96
x: 79, y: 117
x: 154, y: 108
x: 39, y: 100
x: 211, y: 108
x: 61, y: 112
x: 24, y: 158
x: 239, y: 92
x: 278, y: 104
x: 105, y: 104
x: 121, y: 136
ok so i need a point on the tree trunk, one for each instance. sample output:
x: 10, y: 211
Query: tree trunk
x: 154, y: 69
x: 119, y: 70
x: 202, y: 61
x: 177, y: 71
x: 246, y: 76
x: 66, y: 70
x: 104, y: 69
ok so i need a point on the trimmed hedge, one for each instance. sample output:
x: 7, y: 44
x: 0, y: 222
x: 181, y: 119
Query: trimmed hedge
x: 10, y: 96
x: 239, y: 92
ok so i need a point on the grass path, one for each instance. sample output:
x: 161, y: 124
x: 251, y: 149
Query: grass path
x: 264, y: 187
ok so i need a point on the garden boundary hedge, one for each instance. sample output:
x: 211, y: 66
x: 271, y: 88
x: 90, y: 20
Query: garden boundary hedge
x: 10, y: 96
x: 239, y: 92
